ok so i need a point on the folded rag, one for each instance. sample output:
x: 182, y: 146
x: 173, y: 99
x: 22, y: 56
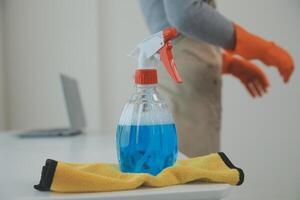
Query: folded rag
x: 99, y: 177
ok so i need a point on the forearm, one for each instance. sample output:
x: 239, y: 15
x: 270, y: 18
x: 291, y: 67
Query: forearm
x: 197, y: 19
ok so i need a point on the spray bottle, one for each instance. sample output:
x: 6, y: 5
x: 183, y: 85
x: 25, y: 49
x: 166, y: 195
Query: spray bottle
x: 146, y: 134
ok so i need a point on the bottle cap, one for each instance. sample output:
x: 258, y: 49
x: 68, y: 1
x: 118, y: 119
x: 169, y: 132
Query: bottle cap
x: 146, y: 76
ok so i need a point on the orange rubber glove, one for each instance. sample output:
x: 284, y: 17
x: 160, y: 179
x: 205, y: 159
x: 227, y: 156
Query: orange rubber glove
x: 251, y: 46
x: 253, y: 78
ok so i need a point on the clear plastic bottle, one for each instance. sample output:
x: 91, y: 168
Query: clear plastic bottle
x: 146, y: 133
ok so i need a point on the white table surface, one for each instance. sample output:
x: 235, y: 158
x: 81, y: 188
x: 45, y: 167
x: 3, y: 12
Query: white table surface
x: 21, y: 161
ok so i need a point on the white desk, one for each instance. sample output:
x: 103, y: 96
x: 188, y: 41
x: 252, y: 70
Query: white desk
x: 21, y: 161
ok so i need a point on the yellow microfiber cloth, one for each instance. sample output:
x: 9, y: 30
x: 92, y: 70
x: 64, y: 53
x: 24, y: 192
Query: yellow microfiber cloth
x: 100, y: 177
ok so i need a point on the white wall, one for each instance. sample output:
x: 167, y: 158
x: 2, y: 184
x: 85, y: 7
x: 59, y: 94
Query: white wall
x: 86, y: 39
x: 44, y: 38
x: 262, y: 135
x: 2, y: 82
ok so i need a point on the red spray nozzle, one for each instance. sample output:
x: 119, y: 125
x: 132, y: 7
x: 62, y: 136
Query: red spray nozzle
x: 166, y: 55
x: 169, y: 34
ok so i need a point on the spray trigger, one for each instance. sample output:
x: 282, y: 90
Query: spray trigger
x: 157, y: 47
x: 167, y: 59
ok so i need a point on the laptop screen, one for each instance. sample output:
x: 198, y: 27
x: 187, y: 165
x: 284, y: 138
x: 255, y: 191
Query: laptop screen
x: 73, y: 102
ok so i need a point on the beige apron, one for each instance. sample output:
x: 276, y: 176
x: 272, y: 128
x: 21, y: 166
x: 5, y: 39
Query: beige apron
x: 196, y: 103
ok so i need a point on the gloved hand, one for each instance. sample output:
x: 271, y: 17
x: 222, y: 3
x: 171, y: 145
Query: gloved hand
x: 251, y: 46
x: 253, y: 78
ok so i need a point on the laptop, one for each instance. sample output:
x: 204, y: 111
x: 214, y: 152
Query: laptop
x: 74, y: 109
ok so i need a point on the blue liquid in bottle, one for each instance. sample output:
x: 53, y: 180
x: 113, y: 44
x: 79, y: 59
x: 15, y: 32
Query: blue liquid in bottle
x: 146, y: 148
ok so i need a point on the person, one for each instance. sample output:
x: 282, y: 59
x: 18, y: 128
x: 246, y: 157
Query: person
x: 209, y: 45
